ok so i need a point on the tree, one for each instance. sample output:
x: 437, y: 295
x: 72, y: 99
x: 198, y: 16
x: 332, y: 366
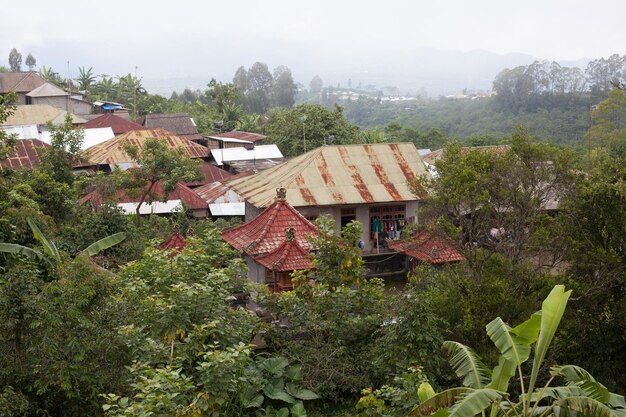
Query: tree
x: 156, y: 162
x: 608, y: 129
x: 222, y: 94
x: 284, y: 89
x: 308, y: 126
x: 316, y: 84
x: 7, y: 108
x: 31, y: 62
x: 15, y: 60
x: 484, y: 391
x: 240, y: 80
x: 260, y: 82
x: 66, y: 142
x: 86, y: 78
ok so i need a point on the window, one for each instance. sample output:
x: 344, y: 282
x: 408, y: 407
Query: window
x: 387, y: 221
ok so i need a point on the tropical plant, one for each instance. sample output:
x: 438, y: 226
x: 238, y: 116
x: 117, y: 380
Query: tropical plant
x: 484, y: 391
x: 51, y: 255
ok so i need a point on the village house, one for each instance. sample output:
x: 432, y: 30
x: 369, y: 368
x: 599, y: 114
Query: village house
x: 21, y: 83
x: 118, y: 125
x: 275, y: 243
x: 248, y: 157
x: 368, y: 183
x: 25, y: 155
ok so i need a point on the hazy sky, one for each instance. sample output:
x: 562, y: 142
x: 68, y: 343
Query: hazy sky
x: 164, y: 37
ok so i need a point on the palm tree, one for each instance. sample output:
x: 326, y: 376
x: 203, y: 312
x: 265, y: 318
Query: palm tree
x: 51, y: 255
x: 86, y: 78
x: 484, y: 391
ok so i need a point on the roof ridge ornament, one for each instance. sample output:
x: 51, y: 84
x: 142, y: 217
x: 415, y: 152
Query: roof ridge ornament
x: 290, y: 234
x: 281, y: 193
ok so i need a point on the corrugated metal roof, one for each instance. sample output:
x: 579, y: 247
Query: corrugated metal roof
x: 243, y: 154
x: 210, y: 173
x: 336, y: 175
x: 118, y: 124
x: 113, y: 150
x: 217, y: 192
x: 47, y: 90
x: 174, y: 244
x: 21, y: 82
x: 427, y: 246
x: 39, y: 114
x: 26, y: 155
x: 181, y: 193
x: 178, y: 123
x: 228, y: 209
x: 23, y: 131
x: 266, y: 232
x: 237, y: 135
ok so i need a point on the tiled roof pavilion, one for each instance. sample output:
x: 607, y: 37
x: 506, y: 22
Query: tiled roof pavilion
x: 266, y: 239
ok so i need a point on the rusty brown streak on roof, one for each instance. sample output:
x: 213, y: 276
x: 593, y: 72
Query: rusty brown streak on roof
x: 402, y: 163
x: 359, y: 184
x: 306, y: 194
x: 328, y: 178
x: 382, y: 175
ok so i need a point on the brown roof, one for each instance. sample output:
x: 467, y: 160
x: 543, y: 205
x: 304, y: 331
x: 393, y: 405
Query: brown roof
x: 26, y: 155
x: 336, y: 175
x: 178, y: 123
x: 116, y: 123
x: 428, y: 246
x: 183, y: 193
x: 266, y: 232
x: 235, y: 134
x: 47, y: 90
x: 211, y: 174
x: 113, y: 150
x: 20, y: 82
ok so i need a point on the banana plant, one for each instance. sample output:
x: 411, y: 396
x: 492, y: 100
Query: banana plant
x: 485, y: 390
x: 50, y: 254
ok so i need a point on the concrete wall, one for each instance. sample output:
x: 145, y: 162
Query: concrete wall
x: 256, y: 272
x: 60, y: 102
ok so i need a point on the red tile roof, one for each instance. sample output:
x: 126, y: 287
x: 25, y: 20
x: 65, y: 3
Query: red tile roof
x: 266, y: 232
x: 289, y: 256
x: 116, y: 123
x: 428, y: 246
x: 235, y: 134
x: 26, y: 155
x: 183, y: 193
x: 175, y: 243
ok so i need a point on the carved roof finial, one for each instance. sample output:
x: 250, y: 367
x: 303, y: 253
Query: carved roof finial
x: 290, y: 234
x: 281, y: 193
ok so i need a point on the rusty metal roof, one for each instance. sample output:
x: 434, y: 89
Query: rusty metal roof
x: 335, y: 175
x: 116, y: 123
x: 266, y: 232
x: 177, y: 123
x: 210, y: 173
x: 113, y: 150
x: 428, y: 246
x: 39, y: 114
x: 174, y: 244
x: 25, y: 155
x: 235, y: 134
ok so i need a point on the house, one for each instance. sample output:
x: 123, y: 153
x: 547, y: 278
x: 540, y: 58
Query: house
x: 210, y: 174
x: 274, y: 244
x: 40, y: 114
x: 179, y: 124
x: 233, y: 139
x: 118, y: 125
x: 25, y: 155
x: 54, y: 96
x: 368, y: 183
x: 240, y: 159
x: 174, y: 244
x: 21, y: 83
x: 111, y: 153
x: 222, y: 201
x: 181, y: 197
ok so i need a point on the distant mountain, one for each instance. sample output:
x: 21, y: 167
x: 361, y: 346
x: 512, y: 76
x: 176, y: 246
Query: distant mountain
x: 168, y: 67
